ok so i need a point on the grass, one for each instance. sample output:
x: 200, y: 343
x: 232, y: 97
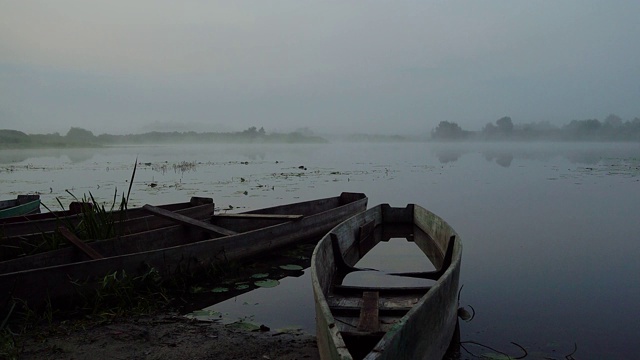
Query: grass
x: 121, y: 294
x: 116, y: 294
x: 94, y: 222
x: 118, y: 291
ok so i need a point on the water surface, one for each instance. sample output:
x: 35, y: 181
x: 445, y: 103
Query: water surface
x: 550, y: 231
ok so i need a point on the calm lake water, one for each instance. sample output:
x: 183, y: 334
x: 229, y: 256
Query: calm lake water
x: 551, y: 232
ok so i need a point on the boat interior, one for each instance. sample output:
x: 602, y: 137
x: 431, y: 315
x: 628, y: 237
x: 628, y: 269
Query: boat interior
x: 368, y: 298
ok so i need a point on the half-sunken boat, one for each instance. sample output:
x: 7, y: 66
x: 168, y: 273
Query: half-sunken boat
x: 26, y: 235
x: 45, y: 222
x: 21, y: 205
x: 386, y: 322
x: 187, y: 247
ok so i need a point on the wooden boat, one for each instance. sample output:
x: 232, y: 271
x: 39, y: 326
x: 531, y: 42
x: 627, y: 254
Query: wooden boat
x: 22, y: 205
x: 26, y: 235
x: 24, y: 225
x: 187, y: 247
x: 391, y: 322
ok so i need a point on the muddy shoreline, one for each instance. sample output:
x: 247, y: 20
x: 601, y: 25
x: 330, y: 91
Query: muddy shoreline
x: 162, y: 336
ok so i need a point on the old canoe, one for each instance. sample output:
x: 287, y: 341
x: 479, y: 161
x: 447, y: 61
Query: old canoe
x: 27, y: 224
x: 189, y: 246
x: 22, y: 205
x: 26, y: 235
x: 391, y: 322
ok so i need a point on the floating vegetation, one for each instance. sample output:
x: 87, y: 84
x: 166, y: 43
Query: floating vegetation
x: 220, y: 289
x: 205, y: 315
x: 614, y: 166
x: 184, y: 166
x: 267, y: 283
x: 244, y: 325
x: 178, y: 168
x: 260, y: 275
x: 291, y: 267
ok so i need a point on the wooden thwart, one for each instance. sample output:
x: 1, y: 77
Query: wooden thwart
x: 382, y: 311
x: 369, y: 319
x: 185, y: 220
x: 78, y: 243
x: 261, y: 216
x: 386, y: 291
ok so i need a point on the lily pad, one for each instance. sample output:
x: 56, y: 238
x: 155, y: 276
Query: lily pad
x: 241, y: 286
x: 260, y: 275
x: 220, y: 290
x: 292, y: 267
x: 267, y: 283
x: 243, y: 325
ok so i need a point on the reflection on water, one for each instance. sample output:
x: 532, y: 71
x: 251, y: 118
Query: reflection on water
x: 549, y: 229
x: 504, y: 153
x: 12, y: 156
x: 397, y: 249
x: 503, y: 159
x: 240, y: 296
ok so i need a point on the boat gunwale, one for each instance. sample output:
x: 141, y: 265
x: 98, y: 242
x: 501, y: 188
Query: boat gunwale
x: 50, y: 220
x: 32, y: 206
x: 320, y: 297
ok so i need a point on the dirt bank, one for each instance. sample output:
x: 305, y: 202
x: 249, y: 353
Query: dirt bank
x: 163, y: 336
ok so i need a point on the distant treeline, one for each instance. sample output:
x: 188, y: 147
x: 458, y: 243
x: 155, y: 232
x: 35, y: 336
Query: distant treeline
x: 611, y: 129
x: 78, y: 137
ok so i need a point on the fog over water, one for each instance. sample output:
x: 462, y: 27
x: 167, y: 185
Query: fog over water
x: 376, y: 67
x: 549, y: 229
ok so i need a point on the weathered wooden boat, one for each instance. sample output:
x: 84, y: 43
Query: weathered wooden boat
x: 22, y: 205
x: 188, y: 247
x: 22, y: 238
x: 44, y: 222
x: 391, y: 322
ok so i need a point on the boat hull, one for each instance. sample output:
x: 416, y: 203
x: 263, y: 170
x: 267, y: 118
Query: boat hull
x: 30, y: 224
x: 21, y: 238
x: 22, y: 205
x: 426, y: 329
x: 171, y: 254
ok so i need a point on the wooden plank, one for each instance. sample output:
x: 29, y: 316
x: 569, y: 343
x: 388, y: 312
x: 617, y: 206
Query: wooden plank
x: 366, y: 238
x: 198, y: 200
x: 81, y: 245
x: 369, y: 312
x: 346, y: 289
x: 48, y: 222
x: 126, y: 223
x: 185, y: 220
x: 366, y: 230
x: 354, y: 312
x: 260, y: 216
x: 396, y: 301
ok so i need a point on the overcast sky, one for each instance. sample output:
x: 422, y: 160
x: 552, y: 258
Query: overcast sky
x: 368, y: 66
